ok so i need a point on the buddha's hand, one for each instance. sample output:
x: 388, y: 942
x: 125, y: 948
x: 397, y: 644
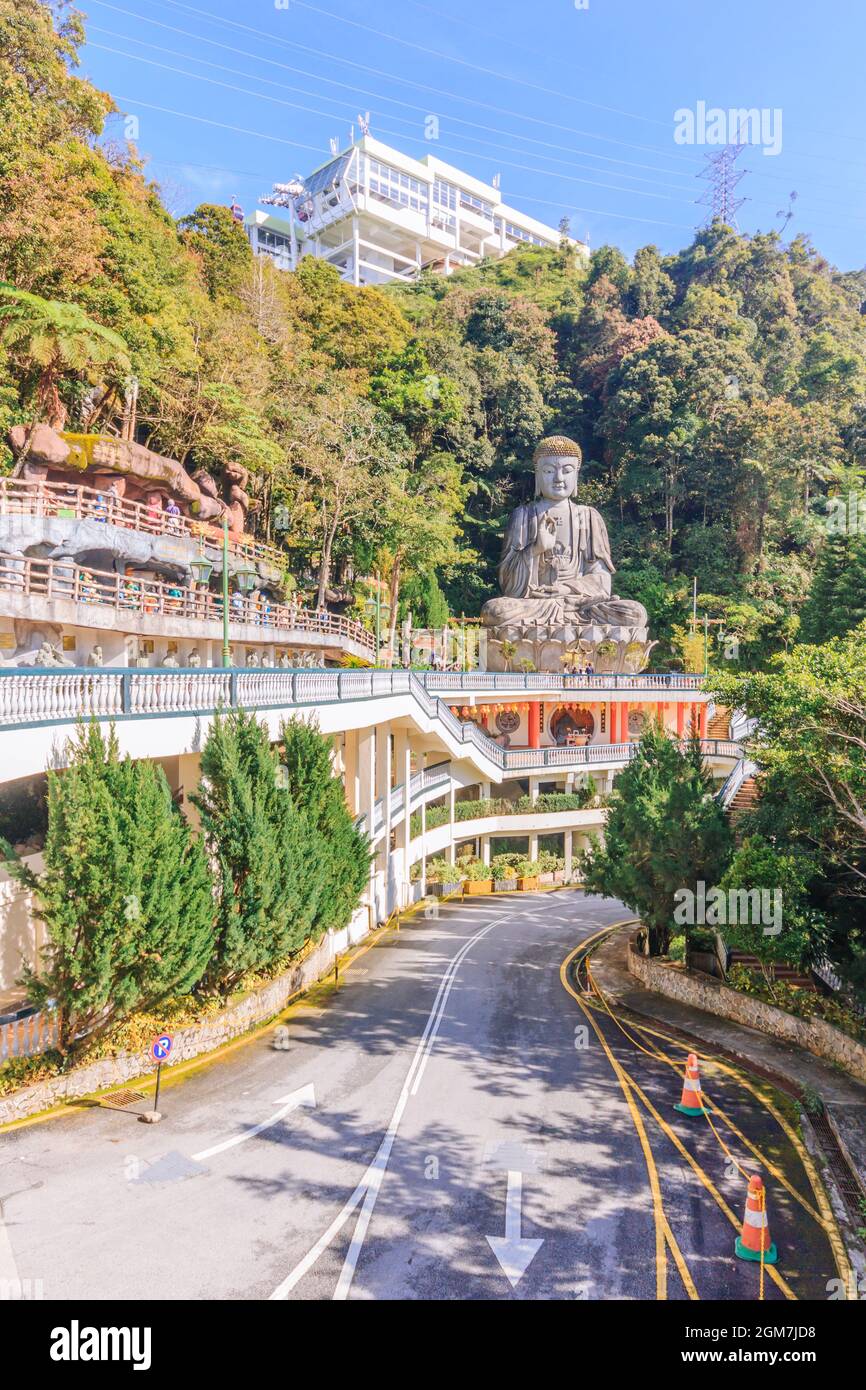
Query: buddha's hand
x: 546, y: 538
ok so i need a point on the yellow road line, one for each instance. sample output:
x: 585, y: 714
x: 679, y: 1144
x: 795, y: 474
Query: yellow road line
x: 706, y: 1180
x: 664, y: 1236
x: 824, y: 1218
x: 661, y: 1056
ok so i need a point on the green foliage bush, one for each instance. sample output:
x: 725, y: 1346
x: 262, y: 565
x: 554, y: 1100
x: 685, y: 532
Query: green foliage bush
x: 125, y: 895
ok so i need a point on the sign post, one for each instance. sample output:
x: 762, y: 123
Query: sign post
x: 159, y: 1050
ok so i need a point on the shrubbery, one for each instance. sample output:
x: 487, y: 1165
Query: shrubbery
x: 140, y: 910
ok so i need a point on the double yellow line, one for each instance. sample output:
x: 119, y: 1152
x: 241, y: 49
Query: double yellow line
x: 664, y: 1237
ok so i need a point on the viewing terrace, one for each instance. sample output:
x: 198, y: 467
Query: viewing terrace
x: 24, y: 497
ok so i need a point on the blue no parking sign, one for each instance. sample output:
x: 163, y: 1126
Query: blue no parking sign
x: 161, y: 1047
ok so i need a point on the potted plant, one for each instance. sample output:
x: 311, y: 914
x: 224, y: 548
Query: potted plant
x: 477, y: 878
x: 442, y: 878
x: 503, y: 876
x: 527, y: 875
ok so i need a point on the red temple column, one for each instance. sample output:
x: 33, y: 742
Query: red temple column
x: 533, y: 721
x: 660, y: 711
x: 702, y: 716
x: 623, y: 722
x: 681, y: 718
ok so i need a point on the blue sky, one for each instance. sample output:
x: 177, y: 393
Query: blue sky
x: 574, y: 108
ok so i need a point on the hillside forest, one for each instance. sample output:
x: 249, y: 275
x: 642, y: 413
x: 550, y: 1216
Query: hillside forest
x: 718, y: 394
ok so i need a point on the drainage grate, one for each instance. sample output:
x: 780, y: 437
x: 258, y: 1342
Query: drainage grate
x: 119, y: 1100
x: 839, y: 1166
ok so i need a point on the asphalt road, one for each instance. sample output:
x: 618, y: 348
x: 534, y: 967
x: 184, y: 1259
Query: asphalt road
x: 470, y: 1138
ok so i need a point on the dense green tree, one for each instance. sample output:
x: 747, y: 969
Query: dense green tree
x: 811, y: 744
x: 125, y: 894
x: 268, y: 875
x: 664, y: 832
x: 792, y: 932
x: 341, y: 853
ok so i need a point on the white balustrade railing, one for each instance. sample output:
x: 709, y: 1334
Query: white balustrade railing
x: 469, y: 682
x: 38, y: 696
x: 126, y: 594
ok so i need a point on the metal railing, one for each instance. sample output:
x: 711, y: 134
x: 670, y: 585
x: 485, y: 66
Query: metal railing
x: 76, y: 502
x: 67, y: 580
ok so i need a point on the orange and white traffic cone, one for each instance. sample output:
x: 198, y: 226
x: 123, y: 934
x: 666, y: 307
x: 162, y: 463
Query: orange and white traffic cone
x: 756, y: 1228
x: 691, y: 1102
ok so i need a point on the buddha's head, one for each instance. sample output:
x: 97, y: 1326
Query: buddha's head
x: 557, y: 468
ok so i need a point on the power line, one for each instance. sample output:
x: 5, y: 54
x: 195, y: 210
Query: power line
x: 395, y: 101
x: 405, y: 81
x: 451, y: 149
x: 300, y: 91
x: 357, y: 91
x: 476, y: 67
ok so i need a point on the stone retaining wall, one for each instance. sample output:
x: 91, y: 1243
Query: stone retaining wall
x: 194, y: 1039
x: 703, y: 992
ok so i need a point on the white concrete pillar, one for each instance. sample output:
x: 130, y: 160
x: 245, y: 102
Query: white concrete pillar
x: 351, y: 773
x: 533, y: 789
x: 356, y: 251
x: 188, y: 776
x: 451, y: 824
x: 403, y: 757
x: 569, y: 852
x: 384, y: 863
x: 423, y: 850
x: 485, y: 849
x: 533, y: 846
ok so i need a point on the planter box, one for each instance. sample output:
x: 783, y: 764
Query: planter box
x: 504, y: 885
x: 546, y: 878
x: 443, y: 890
x: 527, y: 884
x: 559, y: 875
x: 472, y: 887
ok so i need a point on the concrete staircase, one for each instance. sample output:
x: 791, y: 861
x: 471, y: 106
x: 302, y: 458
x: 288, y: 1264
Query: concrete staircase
x: 720, y: 724
x: 744, y: 799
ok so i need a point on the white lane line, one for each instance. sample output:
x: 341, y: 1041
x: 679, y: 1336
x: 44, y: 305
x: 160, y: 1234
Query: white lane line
x: 305, y: 1096
x: 368, y: 1187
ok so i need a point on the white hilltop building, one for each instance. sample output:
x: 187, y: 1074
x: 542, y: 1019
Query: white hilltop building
x: 380, y: 215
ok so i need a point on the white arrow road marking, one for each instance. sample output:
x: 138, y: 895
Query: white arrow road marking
x: 514, y: 1254
x: 368, y: 1187
x: 306, y: 1096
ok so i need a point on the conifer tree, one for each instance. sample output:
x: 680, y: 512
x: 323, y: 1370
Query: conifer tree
x: 125, y: 894
x: 268, y: 873
x: 664, y: 832
x: 317, y: 792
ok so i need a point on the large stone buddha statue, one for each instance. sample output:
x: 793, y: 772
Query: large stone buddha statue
x: 555, y: 577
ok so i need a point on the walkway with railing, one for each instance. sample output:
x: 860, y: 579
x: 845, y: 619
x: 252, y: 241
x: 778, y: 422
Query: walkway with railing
x: 76, y: 502
x: 35, y: 697
x: 469, y: 682
x: 126, y: 594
